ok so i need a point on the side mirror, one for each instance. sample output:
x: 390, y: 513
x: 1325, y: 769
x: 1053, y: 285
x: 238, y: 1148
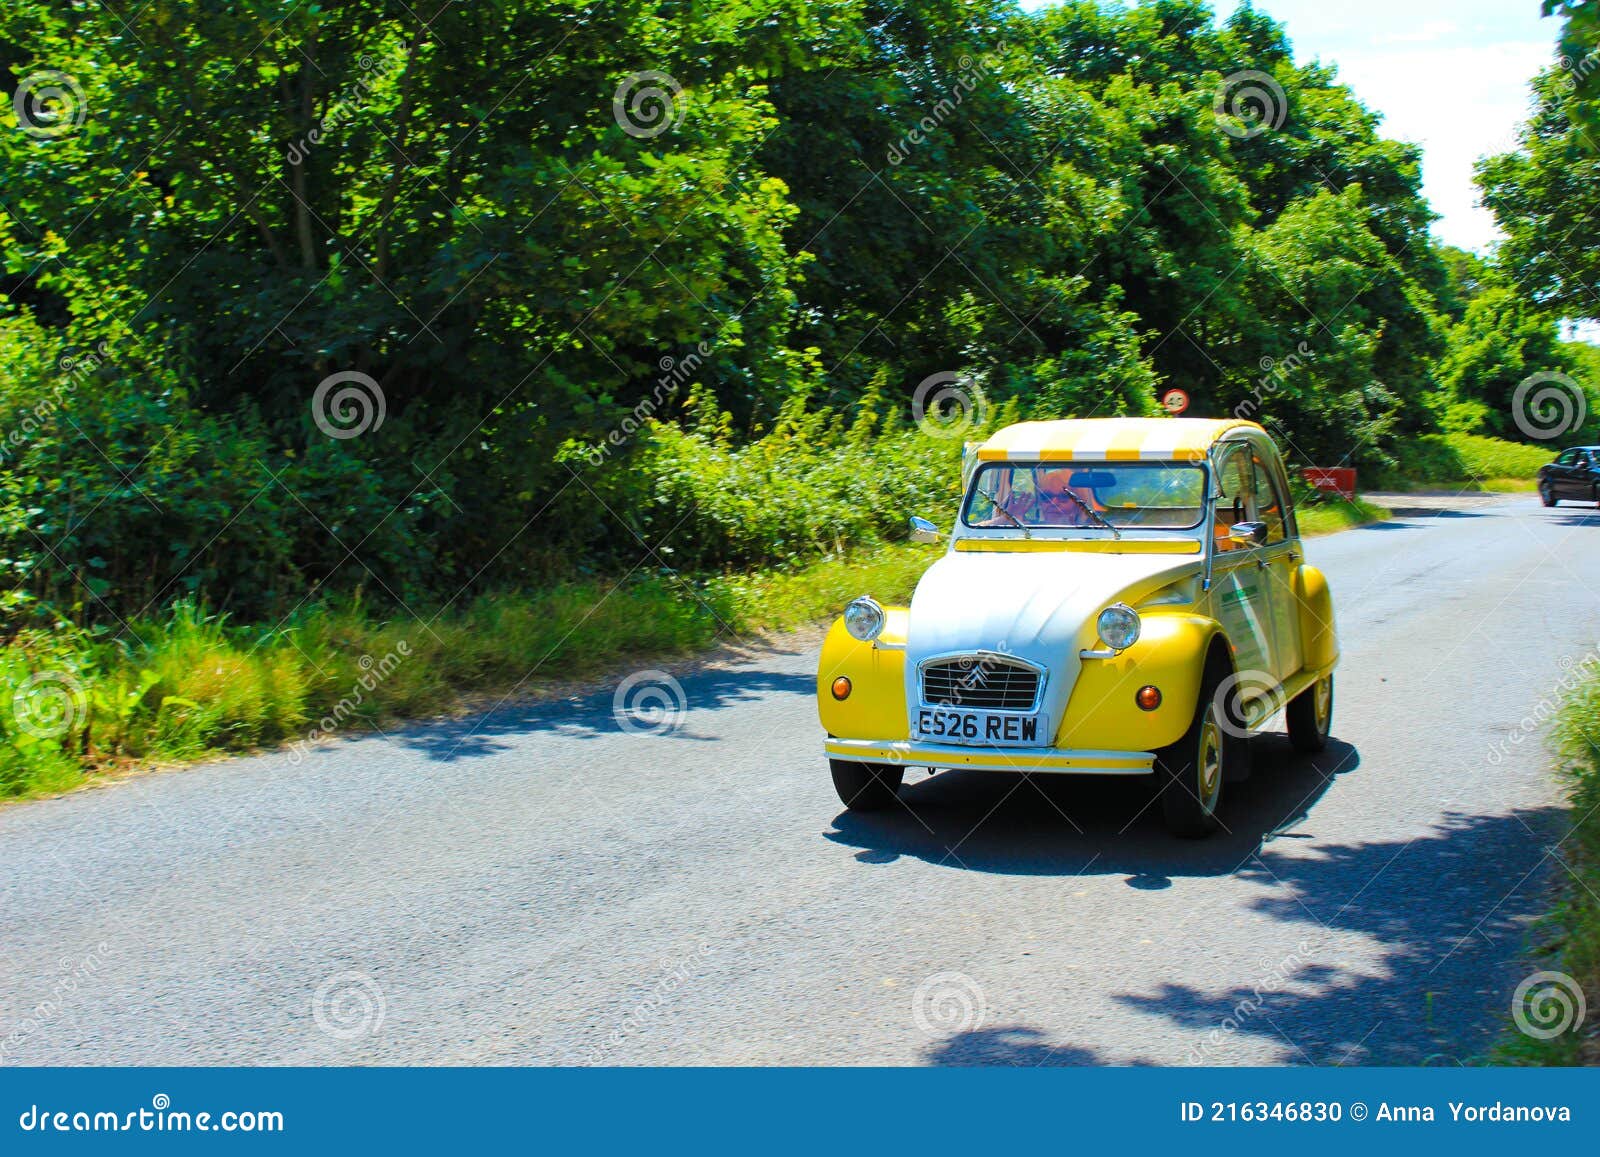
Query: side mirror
x: 924, y: 531
x: 1247, y: 533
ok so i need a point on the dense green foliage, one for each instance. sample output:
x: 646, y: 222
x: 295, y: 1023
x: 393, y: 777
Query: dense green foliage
x: 610, y: 332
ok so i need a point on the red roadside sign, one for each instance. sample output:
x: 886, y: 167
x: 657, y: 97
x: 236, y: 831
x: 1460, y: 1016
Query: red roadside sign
x: 1340, y: 480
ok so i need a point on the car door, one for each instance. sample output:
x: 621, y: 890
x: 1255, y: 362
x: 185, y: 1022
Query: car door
x: 1278, y: 559
x: 1584, y: 477
x: 1240, y: 598
x: 1561, y: 472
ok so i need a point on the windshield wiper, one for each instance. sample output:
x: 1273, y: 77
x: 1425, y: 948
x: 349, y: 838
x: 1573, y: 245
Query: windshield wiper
x: 1094, y: 514
x: 1001, y: 510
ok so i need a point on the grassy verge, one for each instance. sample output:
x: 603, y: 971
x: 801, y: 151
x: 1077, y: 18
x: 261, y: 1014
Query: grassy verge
x: 1466, y: 462
x: 1573, y: 928
x: 188, y: 685
x: 1469, y: 486
x: 1331, y: 514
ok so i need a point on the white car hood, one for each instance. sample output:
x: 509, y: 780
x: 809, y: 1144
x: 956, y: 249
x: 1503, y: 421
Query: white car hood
x: 1039, y: 607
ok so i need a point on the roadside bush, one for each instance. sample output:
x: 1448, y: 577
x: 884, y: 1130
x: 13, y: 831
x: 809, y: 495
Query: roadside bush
x: 1446, y: 459
x: 815, y: 485
x: 1575, y: 923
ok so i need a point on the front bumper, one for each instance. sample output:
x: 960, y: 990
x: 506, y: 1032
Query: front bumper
x: 1044, y: 760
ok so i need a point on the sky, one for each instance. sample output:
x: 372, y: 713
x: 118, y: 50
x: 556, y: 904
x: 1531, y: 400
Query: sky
x: 1449, y: 75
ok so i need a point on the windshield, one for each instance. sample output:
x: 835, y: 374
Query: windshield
x: 1144, y: 495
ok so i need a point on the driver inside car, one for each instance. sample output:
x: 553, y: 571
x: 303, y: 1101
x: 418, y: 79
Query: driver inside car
x: 1052, y: 502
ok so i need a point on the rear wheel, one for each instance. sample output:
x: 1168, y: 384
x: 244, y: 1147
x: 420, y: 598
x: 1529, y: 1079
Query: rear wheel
x: 866, y: 787
x: 1192, y: 770
x: 1310, y: 715
x: 1547, y: 495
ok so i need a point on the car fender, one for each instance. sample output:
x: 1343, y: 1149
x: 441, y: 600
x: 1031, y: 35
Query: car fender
x: 1170, y: 655
x: 1319, y: 641
x: 876, y: 705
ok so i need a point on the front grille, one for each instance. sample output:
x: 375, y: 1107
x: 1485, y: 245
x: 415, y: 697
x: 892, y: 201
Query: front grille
x: 980, y: 682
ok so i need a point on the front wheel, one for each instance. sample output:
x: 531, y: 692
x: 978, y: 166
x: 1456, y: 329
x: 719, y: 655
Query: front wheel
x: 1310, y: 715
x: 1192, y: 770
x: 866, y: 787
x: 1546, y: 495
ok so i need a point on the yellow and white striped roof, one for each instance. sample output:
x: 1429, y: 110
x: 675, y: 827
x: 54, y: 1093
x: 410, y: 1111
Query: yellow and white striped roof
x: 1110, y: 439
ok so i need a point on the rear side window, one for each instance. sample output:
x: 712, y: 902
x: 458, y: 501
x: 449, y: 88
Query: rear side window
x: 1269, y: 503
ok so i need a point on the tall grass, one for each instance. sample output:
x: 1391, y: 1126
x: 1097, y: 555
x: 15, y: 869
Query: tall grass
x: 1467, y: 462
x: 187, y: 684
x: 1575, y: 922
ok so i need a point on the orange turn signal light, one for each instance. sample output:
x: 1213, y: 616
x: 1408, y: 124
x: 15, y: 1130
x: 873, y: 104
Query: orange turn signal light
x: 1148, y: 697
x: 841, y: 688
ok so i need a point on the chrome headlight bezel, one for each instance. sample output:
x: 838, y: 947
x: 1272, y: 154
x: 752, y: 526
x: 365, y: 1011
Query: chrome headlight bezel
x: 1119, y: 626
x: 864, y: 618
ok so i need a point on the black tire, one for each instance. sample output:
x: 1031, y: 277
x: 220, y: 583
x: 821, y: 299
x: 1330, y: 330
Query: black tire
x: 866, y: 787
x: 1310, y: 717
x: 1193, y: 770
x: 1546, y: 495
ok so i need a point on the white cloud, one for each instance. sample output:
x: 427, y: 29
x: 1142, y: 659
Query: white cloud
x: 1459, y: 103
x: 1431, y: 31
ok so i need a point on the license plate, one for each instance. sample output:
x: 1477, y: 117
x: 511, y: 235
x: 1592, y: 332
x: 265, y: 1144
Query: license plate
x: 980, y: 728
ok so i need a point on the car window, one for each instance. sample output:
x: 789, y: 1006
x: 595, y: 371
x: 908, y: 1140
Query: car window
x: 1269, y: 503
x: 1235, y: 495
x: 1567, y: 458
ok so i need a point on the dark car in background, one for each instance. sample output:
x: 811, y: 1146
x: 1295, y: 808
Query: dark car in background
x: 1574, y: 475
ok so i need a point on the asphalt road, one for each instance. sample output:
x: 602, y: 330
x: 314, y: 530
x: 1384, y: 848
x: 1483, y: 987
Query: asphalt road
x: 540, y: 885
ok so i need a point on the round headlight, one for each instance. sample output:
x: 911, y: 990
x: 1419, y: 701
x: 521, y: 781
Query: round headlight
x: 864, y: 618
x: 1119, y: 626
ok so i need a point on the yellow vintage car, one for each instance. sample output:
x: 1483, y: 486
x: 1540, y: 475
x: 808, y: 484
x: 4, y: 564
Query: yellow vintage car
x: 1121, y: 596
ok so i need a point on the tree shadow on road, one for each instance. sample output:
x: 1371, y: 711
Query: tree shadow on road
x: 1012, y: 1044
x: 1448, y: 913
x: 1074, y: 825
x: 1439, y: 922
x: 651, y: 705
